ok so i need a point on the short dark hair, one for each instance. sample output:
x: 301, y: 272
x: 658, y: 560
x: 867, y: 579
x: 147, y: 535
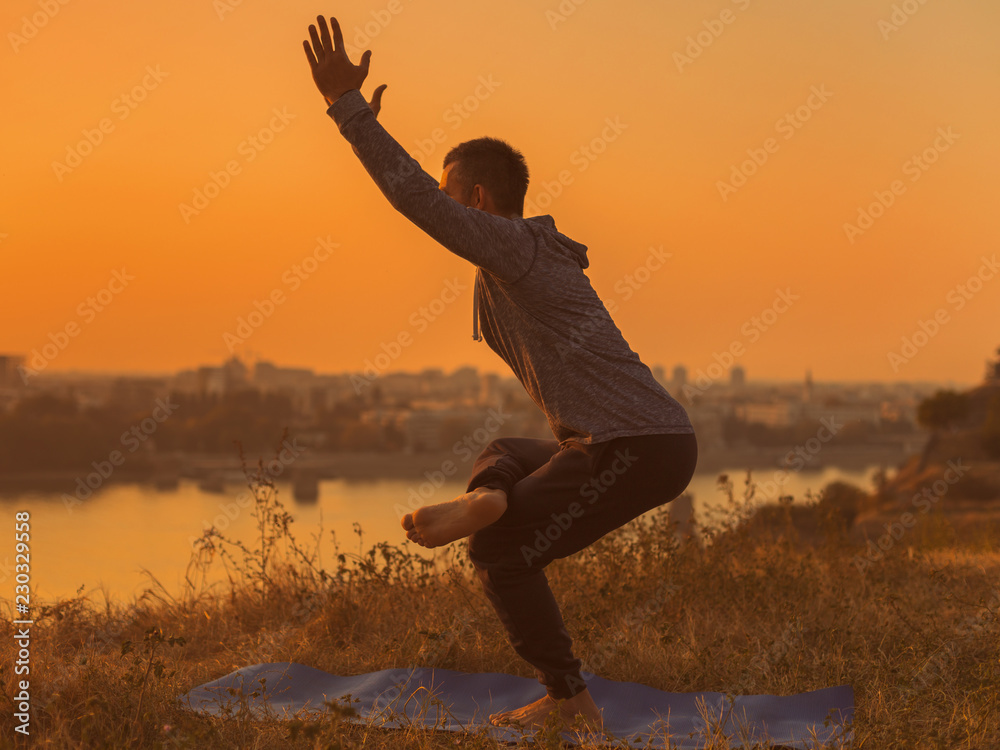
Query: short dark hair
x: 497, y: 166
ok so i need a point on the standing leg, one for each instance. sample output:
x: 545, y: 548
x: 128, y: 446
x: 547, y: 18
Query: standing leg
x: 579, y: 495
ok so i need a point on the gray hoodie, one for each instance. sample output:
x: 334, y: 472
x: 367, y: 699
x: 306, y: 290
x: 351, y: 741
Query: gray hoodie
x: 533, y: 303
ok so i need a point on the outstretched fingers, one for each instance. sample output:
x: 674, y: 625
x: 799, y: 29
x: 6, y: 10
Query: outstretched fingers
x: 322, y: 43
x: 338, y: 37
x: 309, y: 55
x: 324, y: 34
x: 317, y: 44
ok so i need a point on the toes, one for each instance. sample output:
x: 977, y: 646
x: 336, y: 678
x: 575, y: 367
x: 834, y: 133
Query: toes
x: 408, y: 521
x: 414, y: 536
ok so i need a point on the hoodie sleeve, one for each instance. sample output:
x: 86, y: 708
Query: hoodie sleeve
x: 504, y: 247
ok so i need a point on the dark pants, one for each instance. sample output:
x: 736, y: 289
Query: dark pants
x: 559, y: 501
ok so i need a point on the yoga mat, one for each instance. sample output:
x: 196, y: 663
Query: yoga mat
x: 394, y: 698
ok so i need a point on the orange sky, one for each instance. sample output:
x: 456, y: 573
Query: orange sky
x: 869, y: 98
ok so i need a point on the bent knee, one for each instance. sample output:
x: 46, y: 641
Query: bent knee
x: 495, y: 447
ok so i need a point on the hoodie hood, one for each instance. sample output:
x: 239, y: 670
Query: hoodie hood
x: 576, y: 250
x: 570, y: 247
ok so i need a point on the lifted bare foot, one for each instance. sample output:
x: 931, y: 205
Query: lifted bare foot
x: 579, y: 710
x: 434, y: 525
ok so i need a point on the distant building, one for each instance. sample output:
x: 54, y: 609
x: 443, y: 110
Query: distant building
x: 137, y: 392
x: 993, y: 370
x: 400, y: 386
x: 208, y: 381
x: 9, y: 375
x: 679, y: 379
x: 464, y: 384
x: 320, y: 398
x: 707, y: 420
x: 211, y: 381
x: 234, y: 374
x: 737, y: 377
x: 778, y: 414
x: 424, y: 428
x: 785, y: 413
x: 843, y: 413
x: 433, y: 382
x: 489, y: 390
x: 299, y: 384
x: 11, y: 382
x: 268, y: 376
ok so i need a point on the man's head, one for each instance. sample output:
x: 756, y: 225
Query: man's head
x: 489, y: 174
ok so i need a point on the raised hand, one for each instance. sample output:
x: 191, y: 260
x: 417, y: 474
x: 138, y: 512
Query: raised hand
x: 332, y: 71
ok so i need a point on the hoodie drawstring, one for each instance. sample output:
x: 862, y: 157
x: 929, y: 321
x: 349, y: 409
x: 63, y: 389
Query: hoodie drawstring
x: 475, y: 309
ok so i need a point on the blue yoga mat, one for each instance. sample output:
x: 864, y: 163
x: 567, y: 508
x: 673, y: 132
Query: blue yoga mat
x: 646, y: 717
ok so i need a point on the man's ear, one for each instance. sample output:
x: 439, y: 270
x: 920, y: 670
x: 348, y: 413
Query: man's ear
x: 478, y: 197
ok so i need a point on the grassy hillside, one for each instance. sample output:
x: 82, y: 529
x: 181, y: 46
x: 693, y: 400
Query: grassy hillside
x: 746, y: 607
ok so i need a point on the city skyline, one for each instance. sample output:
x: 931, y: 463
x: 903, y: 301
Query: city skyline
x: 499, y: 371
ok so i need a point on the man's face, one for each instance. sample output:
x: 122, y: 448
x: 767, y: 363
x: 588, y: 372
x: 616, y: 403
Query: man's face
x: 453, y: 187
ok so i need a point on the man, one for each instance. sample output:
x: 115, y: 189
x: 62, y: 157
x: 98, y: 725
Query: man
x: 623, y: 444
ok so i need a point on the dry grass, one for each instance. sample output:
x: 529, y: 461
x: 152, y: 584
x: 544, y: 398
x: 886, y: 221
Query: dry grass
x: 752, y: 609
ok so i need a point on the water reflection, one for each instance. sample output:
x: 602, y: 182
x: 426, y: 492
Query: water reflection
x: 105, y: 542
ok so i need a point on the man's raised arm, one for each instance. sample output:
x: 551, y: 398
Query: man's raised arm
x: 504, y: 247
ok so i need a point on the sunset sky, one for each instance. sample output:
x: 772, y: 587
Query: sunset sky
x: 842, y: 105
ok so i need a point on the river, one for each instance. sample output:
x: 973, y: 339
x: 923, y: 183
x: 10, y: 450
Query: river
x: 104, y: 542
